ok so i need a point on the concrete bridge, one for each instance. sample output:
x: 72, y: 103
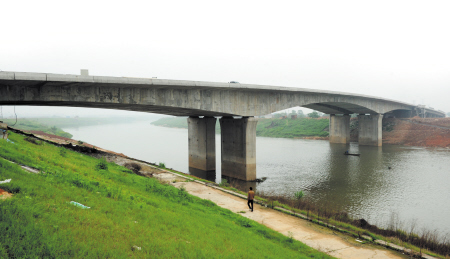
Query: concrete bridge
x: 202, y: 102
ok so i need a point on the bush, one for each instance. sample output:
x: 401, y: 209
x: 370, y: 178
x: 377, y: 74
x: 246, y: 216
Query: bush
x: 224, y: 183
x: 102, y: 164
x: 162, y: 165
x: 63, y: 152
x: 299, y: 195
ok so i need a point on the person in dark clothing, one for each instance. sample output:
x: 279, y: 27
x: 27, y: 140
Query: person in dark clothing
x: 250, y: 197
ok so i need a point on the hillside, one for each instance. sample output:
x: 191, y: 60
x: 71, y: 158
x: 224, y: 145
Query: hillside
x: 425, y: 132
x: 129, y: 215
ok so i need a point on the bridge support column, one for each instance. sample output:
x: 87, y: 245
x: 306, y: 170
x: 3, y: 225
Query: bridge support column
x: 202, y: 143
x: 370, y: 130
x: 339, y: 129
x: 239, y: 147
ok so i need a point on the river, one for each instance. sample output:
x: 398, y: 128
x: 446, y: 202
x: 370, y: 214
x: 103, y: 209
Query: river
x: 389, y: 184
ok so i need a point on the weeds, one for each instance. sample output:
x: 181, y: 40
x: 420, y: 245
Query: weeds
x: 33, y: 140
x: 102, y: 164
x: 62, y: 152
x: 290, y: 236
x: 430, y: 240
x: 224, y: 183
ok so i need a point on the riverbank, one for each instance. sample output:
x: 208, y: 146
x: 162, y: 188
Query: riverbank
x: 76, y: 200
x: 123, y: 160
x: 420, y: 132
x: 53, y: 126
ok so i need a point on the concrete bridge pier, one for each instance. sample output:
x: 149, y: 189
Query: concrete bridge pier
x: 370, y: 129
x: 202, y: 143
x: 339, y: 129
x: 238, y: 138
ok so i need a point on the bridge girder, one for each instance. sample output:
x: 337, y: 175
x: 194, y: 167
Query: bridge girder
x: 179, y: 98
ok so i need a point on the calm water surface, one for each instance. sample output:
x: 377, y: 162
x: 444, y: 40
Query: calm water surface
x: 410, y: 183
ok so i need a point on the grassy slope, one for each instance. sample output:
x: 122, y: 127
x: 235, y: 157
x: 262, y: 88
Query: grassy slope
x: 277, y: 128
x: 46, y: 124
x: 126, y: 210
x: 35, y: 124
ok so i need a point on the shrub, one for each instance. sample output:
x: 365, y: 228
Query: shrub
x: 162, y: 165
x: 102, y: 164
x: 224, y: 183
x: 63, y: 152
x: 299, y: 195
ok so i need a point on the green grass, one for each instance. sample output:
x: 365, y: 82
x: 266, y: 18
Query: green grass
x: 288, y: 128
x: 275, y: 128
x: 37, y: 125
x: 127, y: 211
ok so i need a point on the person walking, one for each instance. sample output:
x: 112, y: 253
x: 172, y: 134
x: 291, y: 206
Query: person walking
x: 250, y: 197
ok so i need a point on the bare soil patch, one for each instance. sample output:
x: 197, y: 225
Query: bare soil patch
x: 4, y: 194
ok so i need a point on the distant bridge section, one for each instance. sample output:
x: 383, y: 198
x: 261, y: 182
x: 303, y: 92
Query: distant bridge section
x: 202, y: 102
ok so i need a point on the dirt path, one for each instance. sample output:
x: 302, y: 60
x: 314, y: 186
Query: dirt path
x: 314, y: 236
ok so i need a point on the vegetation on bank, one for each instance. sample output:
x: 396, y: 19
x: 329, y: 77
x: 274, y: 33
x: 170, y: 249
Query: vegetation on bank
x: 129, y: 215
x: 288, y: 128
x: 424, y: 242
x: 37, y: 125
x: 427, y: 242
x: 53, y: 125
x: 275, y: 128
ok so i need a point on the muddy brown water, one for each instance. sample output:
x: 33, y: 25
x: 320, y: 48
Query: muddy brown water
x: 386, y: 185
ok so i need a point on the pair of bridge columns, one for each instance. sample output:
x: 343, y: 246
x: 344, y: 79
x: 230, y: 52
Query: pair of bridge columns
x: 238, y: 142
x: 369, y: 131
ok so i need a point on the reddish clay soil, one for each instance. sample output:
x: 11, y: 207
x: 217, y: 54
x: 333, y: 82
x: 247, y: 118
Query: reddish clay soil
x: 4, y: 195
x: 418, y: 132
x: 443, y: 122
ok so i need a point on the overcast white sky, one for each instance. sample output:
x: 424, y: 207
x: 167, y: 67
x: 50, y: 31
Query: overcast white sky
x: 393, y: 49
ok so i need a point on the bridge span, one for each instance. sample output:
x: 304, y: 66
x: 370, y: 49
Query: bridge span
x: 235, y: 103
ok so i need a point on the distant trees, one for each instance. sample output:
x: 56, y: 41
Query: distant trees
x: 279, y: 115
x: 314, y: 114
x: 300, y: 114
